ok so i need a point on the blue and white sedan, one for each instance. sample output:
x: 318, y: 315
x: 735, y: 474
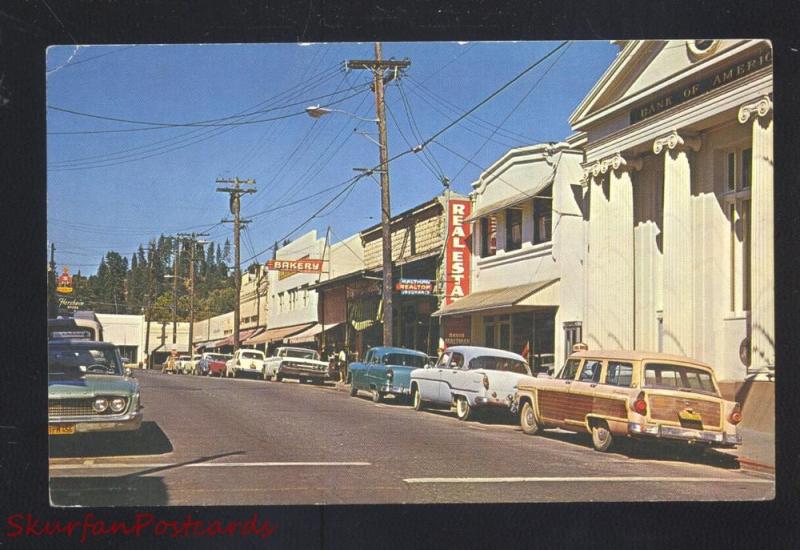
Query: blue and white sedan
x: 385, y: 371
x: 470, y: 378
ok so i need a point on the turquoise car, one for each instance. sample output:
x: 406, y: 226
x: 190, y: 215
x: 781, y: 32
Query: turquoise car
x: 385, y: 371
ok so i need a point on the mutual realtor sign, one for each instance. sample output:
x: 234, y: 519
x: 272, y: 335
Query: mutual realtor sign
x: 458, y: 252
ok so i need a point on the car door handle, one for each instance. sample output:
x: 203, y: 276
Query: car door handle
x: 568, y: 382
x: 592, y: 385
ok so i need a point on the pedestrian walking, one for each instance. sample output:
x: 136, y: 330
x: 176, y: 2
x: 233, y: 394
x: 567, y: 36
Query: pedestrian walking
x: 343, y: 365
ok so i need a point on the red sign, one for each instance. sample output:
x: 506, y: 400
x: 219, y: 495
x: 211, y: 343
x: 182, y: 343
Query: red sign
x: 458, y: 250
x: 457, y: 331
x: 305, y: 265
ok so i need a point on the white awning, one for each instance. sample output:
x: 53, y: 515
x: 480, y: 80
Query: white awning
x: 541, y: 293
x: 522, y: 196
x: 308, y: 335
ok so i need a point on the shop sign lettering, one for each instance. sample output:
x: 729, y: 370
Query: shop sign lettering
x: 458, y: 250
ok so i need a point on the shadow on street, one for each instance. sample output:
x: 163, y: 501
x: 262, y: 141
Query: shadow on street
x: 649, y: 450
x: 148, y: 440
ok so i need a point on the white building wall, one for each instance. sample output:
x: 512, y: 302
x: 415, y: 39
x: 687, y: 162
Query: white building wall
x: 304, y: 309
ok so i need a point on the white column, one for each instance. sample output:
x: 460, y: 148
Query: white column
x: 762, y: 278
x: 678, y: 261
x: 610, y: 267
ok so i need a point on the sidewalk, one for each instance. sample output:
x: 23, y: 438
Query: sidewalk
x: 757, y: 450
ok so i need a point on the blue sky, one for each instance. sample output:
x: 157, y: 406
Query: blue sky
x: 110, y: 188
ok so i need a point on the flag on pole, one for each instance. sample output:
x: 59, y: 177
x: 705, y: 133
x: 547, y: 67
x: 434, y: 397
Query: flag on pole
x: 526, y: 350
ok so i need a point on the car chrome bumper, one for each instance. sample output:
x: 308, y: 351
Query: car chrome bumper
x: 397, y: 390
x: 302, y: 373
x: 495, y: 402
x: 127, y: 422
x: 685, y: 434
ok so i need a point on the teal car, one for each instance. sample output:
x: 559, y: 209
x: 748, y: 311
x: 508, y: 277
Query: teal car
x: 88, y: 389
x: 385, y: 371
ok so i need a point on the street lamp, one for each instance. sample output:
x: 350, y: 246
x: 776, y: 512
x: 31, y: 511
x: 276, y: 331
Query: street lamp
x: 378, y: 66
x: 316, y: 111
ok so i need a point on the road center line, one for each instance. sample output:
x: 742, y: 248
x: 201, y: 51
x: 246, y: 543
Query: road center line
x: 594, y: 479
x: 200, y: 465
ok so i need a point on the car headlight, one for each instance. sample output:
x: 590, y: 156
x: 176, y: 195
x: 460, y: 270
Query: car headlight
x: 117, y: 404
x: 100, y: 404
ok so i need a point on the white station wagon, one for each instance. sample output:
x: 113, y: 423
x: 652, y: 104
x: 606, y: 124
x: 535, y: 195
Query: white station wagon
x: 470, y: 377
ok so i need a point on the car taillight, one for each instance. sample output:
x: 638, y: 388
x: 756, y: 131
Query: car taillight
x: 736, y: 414
x: 485, y: 381
x: 639, y: 405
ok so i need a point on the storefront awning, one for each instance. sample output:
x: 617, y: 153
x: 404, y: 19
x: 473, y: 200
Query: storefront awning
x: 277, y: 334
x: 308, y: 335
x: 542, y: 293
x: 522, y: 196
x: 243, y: 335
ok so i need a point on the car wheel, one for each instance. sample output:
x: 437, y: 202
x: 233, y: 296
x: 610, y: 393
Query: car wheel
x: 278, y: 378
x: 463, y: 410
x: 527, y: 419
x: 353, y: 390
x: 376, y: 396
x: 602, y: 439
x: 417, y: 400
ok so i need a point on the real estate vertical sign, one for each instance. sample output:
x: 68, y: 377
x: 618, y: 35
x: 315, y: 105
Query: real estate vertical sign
x: 458, y: 250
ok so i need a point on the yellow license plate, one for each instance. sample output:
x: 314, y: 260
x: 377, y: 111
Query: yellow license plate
x: 60, y: 429
x: 690, y: 415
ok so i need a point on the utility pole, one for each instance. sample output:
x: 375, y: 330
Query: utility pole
x: 378, y: 68
x: 175, y: 292
x: 52, y: 300
x: 235, y: 194
x: 191, y: 238
x: 149, y: 310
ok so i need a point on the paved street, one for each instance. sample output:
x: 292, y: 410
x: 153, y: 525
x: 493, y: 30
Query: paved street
x: 209, y: 441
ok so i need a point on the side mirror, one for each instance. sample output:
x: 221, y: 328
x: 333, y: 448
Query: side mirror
x: 128, y: 372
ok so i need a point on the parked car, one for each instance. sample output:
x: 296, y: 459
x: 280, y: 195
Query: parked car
x: 469, y: 377
x: 212, y: 364
x: 179, y: 363
x: 631, y: 394
x: 246, y: 361
x: 89, y: 390
x: 385, y: 371
x: 300, y: 363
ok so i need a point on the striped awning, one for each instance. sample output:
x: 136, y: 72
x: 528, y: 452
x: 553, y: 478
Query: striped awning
x: 277, y: 334
x: 243, y: 335
x: 308, y: 335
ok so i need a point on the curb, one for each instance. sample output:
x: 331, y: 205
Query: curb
x: 750, y: 464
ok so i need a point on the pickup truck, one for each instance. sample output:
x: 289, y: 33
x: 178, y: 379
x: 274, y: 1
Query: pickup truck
x: 246, y: 361
x: 301, y: 363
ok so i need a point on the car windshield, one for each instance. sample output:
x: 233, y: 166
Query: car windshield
x: 405, y: 360
x: 678, y: 377
x: 251, y: 355
x: 65, y: 359
x: 217, y: 357
x: 302, y: 354
x: 490, y: 362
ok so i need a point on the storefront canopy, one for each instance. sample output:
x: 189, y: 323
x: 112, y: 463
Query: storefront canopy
x: 542, y: 293
x: 243, y: 335
x: 277, y: 334
x: 308, y: 335
x: 522, y: 196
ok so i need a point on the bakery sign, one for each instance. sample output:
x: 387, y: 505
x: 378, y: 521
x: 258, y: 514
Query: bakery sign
x: 412, y: 287
x: 290, y: 267
x: 458, y: 254
x: 693, y: 89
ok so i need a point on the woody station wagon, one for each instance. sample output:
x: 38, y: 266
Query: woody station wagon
x: 639, y: 395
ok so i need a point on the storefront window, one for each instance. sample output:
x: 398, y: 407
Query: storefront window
x: 543, y: 216
x: 488, y: 236
x: 513, y: 229
x: 738, y: 176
